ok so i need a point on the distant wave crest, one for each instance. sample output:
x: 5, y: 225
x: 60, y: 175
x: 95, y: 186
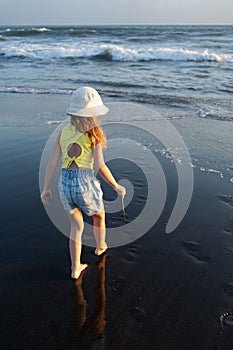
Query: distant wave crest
x: 110, y: 52
x: 25, y: 31
x: 30, y: 32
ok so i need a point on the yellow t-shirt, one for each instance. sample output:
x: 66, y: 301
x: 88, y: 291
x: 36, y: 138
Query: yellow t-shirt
x: 69, y: 135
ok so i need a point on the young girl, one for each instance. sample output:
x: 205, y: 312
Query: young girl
x: 81, y: 145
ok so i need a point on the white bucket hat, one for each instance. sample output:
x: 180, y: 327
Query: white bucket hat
x: 86, y: 102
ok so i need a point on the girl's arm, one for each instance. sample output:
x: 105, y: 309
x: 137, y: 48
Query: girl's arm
x: 104, y: 171
x: 46, y: 194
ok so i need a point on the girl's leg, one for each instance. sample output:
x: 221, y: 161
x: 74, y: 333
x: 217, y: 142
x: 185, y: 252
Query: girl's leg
x: 75, y: 243
x: 100, y: 232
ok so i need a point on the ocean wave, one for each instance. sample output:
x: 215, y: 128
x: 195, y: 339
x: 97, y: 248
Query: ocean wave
x: 30, y: 32
x: 215, y: 113
x: 140, y: 97
x: 29, y: 90
x: 43, y: 29
x: 110, y: 52
x: 78, y: 31
x: 118, y: 53
x: 25, y: 31
x: 108, y: 83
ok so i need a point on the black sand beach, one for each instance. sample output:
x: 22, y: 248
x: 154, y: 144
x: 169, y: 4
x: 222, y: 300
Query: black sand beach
x: 161, y: 292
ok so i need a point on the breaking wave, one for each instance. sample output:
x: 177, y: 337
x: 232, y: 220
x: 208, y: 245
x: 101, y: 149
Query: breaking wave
x: 25, y: 31
x: 110, y: 52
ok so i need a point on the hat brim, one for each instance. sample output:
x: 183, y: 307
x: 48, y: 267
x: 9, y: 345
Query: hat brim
x: 88, y: 112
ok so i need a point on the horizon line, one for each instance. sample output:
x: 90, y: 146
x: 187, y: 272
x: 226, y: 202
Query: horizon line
x: 119, y: 24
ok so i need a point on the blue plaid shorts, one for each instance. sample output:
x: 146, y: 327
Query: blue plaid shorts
x: 79, y: 188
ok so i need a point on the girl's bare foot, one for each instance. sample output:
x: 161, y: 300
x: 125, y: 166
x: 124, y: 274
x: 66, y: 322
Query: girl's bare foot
x: 100, y: 251
x: 75, y: 274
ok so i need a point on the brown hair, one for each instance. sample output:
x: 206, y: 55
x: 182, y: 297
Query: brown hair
x: 91, y: 127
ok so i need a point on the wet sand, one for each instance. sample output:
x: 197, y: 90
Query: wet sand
x: 163, y: 291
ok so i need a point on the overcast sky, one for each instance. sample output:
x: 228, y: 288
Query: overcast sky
x: 116, y: 12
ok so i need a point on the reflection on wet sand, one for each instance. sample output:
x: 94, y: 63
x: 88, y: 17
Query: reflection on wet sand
x: 84, y: 334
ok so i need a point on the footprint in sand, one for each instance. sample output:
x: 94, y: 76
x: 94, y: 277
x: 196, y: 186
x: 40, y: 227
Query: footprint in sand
x: 131, y: 255
x: 116, y: 285
x: 227, y: 319
x: 229, y: 228
x: 229, y: 289
x: 141, y: 198
x: 229, y: 250
x: 227, y: 199
x: 140, y: 317
x: 139, y: 314
x: 194, y: 249
x: 226, y: 327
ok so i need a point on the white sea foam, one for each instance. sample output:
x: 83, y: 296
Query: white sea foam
x: 108, y: 52
x: 29, y: 90
x: 15, y: 30
x: 51, y: 122
x: 212, y: 171
x: 43, y: 29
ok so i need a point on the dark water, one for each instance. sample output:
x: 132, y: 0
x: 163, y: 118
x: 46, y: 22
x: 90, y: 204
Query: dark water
x: 180, y: 70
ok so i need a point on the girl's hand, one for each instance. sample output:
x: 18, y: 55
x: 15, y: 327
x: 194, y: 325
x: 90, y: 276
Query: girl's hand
x: 46, y: 196
x: 120, y: 190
